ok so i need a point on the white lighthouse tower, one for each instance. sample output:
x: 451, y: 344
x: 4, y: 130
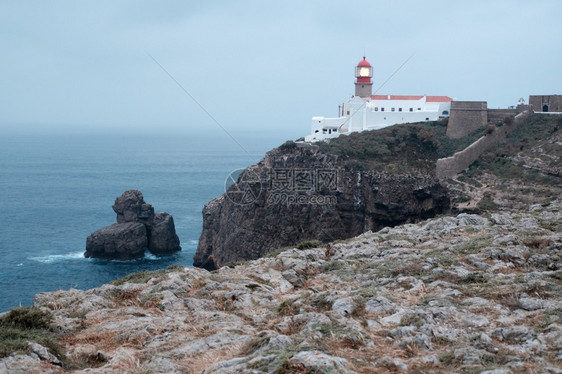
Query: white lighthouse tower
x: 363, y: 83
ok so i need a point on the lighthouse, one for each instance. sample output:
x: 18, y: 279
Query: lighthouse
x: 365, y: 111
x: 363, y: 75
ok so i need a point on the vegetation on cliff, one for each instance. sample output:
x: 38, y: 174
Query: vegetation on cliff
x: 540, y: 133
x: 526, y: 169
x: 23, y: 325
x: 406, y: 147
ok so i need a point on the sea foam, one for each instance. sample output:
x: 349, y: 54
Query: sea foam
x: 49, y: 259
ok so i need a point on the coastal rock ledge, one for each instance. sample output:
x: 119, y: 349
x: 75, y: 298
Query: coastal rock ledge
x: 456, y: 294
x: 137, y: 229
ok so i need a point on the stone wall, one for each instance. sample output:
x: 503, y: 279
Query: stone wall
x: 451, y: 166
x: 498, y: 115
x: 466, y: 117
x: 552, y: 103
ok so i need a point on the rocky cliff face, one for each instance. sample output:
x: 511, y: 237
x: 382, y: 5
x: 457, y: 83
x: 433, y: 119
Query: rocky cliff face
x: 137, y: 229
x: 455, y: 294
x: 298, y: 193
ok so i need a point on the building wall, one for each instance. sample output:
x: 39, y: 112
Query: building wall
x: 466, y: 117
x: 552, y: 102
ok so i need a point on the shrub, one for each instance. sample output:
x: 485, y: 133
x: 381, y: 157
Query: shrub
x: 26, y: 318
x: 27, y: 324
x: 288, y: 145
x: 308, y: 244
x: 487, y: 204
x: 145, y: 275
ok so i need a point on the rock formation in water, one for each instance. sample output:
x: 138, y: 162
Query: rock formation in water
x: 297, y: 193
x: 137, y: 229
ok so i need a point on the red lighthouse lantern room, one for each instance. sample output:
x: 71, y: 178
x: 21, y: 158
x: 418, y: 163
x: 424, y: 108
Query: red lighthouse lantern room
x: 363, y: 75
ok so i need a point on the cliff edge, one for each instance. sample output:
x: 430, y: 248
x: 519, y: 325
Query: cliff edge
x: 300, y: 194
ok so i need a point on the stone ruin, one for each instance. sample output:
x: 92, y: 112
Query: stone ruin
x: 137, y: 229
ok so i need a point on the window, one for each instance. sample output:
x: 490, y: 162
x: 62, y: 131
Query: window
x: 382, y: 109
x: 348, y: 112
x: 399, y: 109
x: 427, y: 118
x: 392, y: 110
x: 316, y: 131
x: 419, y: 108
x: 376, y: 109
x: 445, y: 112
x: 335, y: 130
x: 411, y: 109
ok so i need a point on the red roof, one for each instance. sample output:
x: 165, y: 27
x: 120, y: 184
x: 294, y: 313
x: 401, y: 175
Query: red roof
x: 428, y: 99
x: 438, y: 99
x: 363, y: 62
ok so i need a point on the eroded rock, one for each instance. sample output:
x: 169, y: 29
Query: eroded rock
x: 137, y: 229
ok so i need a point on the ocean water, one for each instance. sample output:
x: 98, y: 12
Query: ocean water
x: 55, y: 190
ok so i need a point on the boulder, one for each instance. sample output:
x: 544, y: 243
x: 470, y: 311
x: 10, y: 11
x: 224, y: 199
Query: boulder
x: 163, y: 238
x: 137, y: 229
x: 130, y: 207
x: 120, y: 241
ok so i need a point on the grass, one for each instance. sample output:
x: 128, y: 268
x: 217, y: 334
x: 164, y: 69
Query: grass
x: 288, y: 307
x: 22, y: 325
x: 320, y: 302
x: 522, y: 140
x: 474, y: 245
x: 145, y: 275
x: 255, y: 344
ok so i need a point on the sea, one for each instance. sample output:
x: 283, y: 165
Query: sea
x: 56, y: 189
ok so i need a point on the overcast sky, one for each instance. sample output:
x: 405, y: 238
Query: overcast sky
x: 260, y: 65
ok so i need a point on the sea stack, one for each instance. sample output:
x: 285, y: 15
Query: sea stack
x: 137, y: 229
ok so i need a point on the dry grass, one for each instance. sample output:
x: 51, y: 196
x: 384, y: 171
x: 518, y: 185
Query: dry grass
x: 103, y: 340
x: 125, y: 297
x: 196, y: 285
x: 198, y: 363
x: 225, y: 303
x: 293, y: 327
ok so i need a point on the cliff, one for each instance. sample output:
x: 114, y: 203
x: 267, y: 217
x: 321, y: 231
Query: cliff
x: 309, y: 195
x: 366, y: 181
x: 462, y: 293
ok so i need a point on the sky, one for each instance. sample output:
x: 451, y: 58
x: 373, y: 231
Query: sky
x: 263, y: 67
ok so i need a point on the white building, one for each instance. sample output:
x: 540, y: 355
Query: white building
x: 366, y: 111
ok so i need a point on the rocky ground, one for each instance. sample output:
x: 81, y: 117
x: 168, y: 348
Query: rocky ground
x: 466, y: 293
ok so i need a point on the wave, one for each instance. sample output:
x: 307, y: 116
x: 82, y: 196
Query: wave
x: 50, y: 259
x: 57, y: 258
